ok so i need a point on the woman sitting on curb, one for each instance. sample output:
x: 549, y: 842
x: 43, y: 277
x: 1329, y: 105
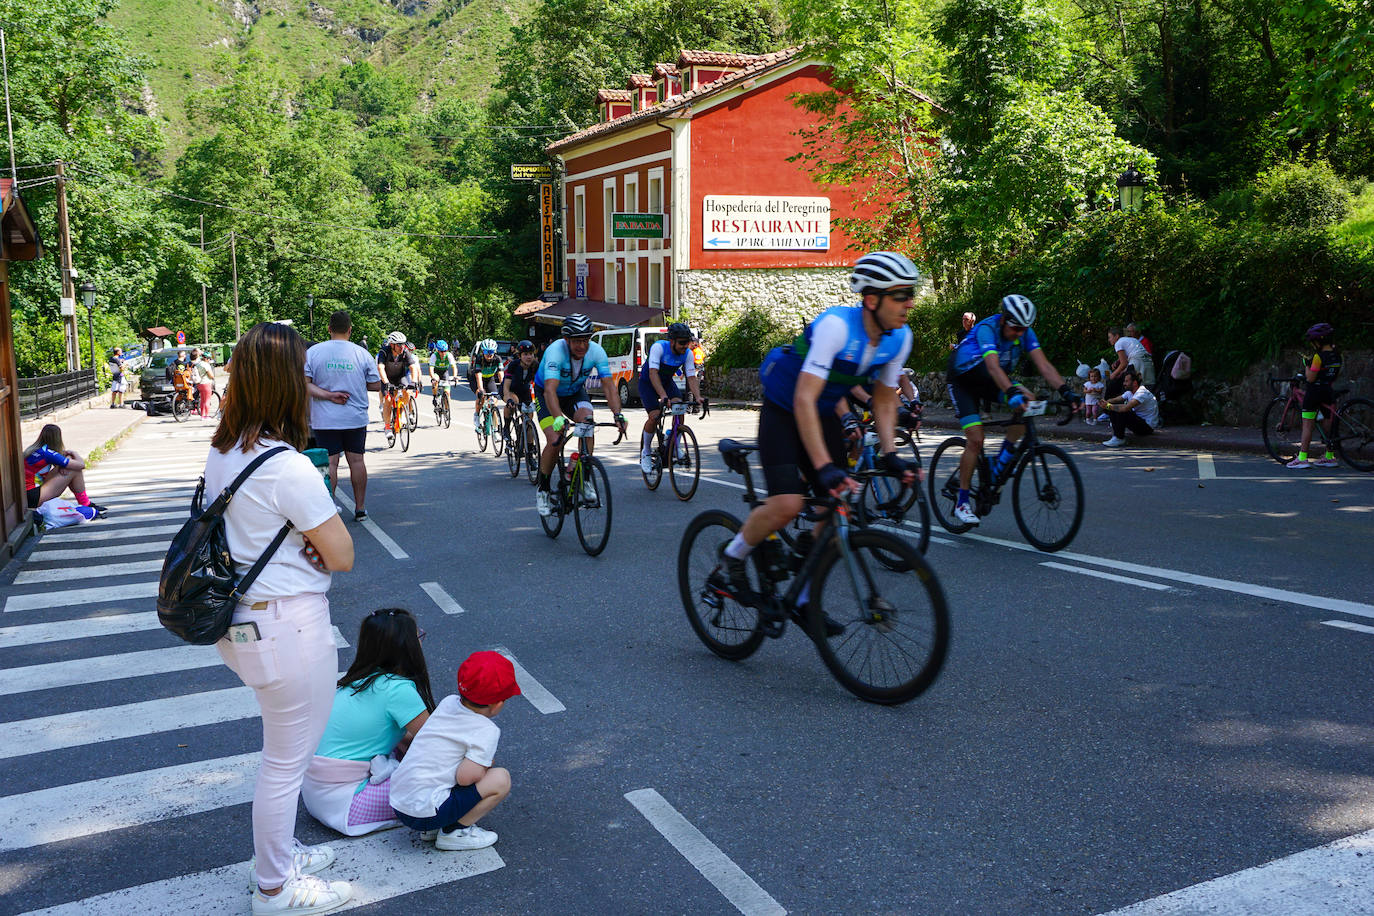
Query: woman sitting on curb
x: 379, y: 705
x: 60, y: 469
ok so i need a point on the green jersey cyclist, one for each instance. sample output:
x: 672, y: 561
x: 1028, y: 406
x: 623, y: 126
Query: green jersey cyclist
x: 801, y: 441
x: 980, y: 369
x: 442, y: 370
x: 560, y: 386
x: 484, y: 376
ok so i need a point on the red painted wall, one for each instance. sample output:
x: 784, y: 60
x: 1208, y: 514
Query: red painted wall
x: 742, y: 147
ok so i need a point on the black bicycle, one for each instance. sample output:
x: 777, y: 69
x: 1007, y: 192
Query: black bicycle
x: 677, y: 451
x: 873, y: 606
x: 884, y: 500
x: 443, y: 408
x: 580, y: 486
x: 522, y: 441
x: 1046, y: 489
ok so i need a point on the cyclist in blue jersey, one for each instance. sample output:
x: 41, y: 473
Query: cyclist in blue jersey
x: 656, y: 385
x: 561, y: 394
x: 980, y: 368
x: 801, y: 442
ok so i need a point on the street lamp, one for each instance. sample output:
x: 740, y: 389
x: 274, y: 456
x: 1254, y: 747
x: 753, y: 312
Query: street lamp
x: 1130, y: 189
x: 88, y: 297
x: 310, y: 304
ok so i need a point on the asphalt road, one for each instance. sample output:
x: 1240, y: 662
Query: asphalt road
x: 1092, y: 741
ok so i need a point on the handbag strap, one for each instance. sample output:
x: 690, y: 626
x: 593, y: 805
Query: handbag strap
x: 242, y: 586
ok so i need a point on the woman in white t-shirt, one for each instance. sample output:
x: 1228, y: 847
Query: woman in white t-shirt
x: 1129, y: 353
x: 281, y: 642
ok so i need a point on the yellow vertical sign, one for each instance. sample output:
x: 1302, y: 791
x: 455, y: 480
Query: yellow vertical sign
x: 546, y: 235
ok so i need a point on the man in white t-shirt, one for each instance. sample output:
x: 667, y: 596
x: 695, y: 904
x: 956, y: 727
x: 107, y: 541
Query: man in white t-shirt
x: 340, y: 374
x: 1136, y: 410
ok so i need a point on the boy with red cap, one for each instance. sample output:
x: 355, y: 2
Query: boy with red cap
x: 446, y: 782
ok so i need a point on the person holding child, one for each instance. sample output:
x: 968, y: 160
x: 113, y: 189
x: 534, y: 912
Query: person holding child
x: 447, y: 783
x: 379, y: 705
x: 1093, y: 390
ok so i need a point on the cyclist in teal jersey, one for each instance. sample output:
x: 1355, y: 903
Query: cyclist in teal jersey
x: 560, y: 387
x: 485, y: 376
x: 442, y: 369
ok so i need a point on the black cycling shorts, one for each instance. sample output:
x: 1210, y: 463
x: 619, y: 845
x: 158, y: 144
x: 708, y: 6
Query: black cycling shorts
x: 786, y: 465
x: 334, y: 441
x: 967, y: 389
x: 1317, y: 396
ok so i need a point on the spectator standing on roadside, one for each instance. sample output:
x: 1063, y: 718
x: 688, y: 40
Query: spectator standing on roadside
x: 203, y: 380
x: 1135, y: 410
x: 280, y: 642
x: 118, y: 383
x: 1129, y: 353
x: 969, y: 320
x: 1133, y: 331
x: 340, y: 374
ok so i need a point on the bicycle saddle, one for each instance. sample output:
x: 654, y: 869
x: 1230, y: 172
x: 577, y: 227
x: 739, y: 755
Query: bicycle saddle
x: 735, y: 453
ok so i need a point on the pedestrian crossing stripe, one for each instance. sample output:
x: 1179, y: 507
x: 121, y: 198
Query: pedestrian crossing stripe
x: 80, y: 628
x: 68, y: 573
x: 70, y: 597
x: 96, y: 532
x: 52, y: 554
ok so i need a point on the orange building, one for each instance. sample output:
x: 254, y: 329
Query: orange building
x: 701, y: 148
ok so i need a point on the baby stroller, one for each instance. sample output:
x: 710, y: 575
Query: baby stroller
x: 1174, y: 389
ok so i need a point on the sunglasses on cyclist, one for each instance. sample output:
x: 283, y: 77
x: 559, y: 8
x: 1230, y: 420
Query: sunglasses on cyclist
x: 900, y: 295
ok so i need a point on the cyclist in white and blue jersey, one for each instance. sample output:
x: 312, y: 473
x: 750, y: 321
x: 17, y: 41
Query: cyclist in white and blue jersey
x: 801, y: 441
x: 980, y: 368
x: 657, y: 386
x: 560, y: 387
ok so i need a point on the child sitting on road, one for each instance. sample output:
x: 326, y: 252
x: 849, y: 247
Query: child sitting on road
x: 1093, y: 389
x: 446, y: 782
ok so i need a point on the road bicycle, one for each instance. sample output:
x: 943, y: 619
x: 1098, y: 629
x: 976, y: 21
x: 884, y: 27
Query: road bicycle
x: 885, y: 501
x: 398, y: 428
x: 1352, y: 425
x: 488, y: 426
x: 522, y: 441
x: 881, y: 627
x: 677, y: 451
x: 580, y: 486
x: 443, y: 407
x: 1046, y: 489
x: 185, y: 403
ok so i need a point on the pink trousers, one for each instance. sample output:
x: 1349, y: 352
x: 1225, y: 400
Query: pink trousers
x: 205, y: 389
x: 292, y: 668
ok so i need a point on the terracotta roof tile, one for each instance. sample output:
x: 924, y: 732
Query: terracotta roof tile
x: 662, y: 70
x: 640, y: 81
x: 716, y: 58
x: 612, y: 95
x: 758, y: 63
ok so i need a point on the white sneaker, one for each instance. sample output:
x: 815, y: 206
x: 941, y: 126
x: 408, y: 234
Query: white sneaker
x: 541, y: 503
x: 302, y: 895
x: 428, y: 835
x: 1114, y: 442
x: 307, y: 860
x: 965, y: 515
x: 1298, y: 463
x: 473, y: 837
x: 588, y: 491
x: 1324, y: 462
x: 646, y: 463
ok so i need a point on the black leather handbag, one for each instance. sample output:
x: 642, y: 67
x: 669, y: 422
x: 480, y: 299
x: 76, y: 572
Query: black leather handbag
x: 199, y: 589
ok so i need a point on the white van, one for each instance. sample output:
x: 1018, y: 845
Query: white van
x: 626, y: 350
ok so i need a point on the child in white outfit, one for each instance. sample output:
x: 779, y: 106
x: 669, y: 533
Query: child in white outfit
x: 1093, y: 389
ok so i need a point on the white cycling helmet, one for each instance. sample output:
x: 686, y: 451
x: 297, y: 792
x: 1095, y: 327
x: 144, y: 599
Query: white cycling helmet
x: 487, y: 346
x: 883, y: 270
x: 395, y: 337
x: 1019, y: 310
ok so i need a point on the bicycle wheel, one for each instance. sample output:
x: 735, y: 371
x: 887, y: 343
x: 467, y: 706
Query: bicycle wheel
x: 513, y: 449
x: 887, y: 652
x: 591, y: 505
x: 885, y: 503
x: 404, y: 434
x: 412, y: 414
x: 684, y: 468
x: 216, y: 407
x: 181, y: 407
x: 727, y: 628
x: 1050, y: 515
x: 655, y: 477
x: 531, y: 440
x: 943, y: 483
x: 553, y: 522
x: 498, y: 434
x: 1353, y: 432
x: 481, y: 427
x: 1282, y: 429
x: 448, y: 413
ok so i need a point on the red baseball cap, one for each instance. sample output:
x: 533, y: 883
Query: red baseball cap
x: 486, y: 678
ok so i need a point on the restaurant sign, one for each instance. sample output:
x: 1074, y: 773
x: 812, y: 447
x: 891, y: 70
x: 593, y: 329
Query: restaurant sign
x: 734, y: 223
x: 636, y: 225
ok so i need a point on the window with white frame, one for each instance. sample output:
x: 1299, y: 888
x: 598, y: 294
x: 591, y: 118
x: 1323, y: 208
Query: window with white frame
x: 656, y: 284
x: 607, y: 207
x: 655, y: 203
x: 632, y: 204
x: 579, y: 220
x: 609, y: 294
x: 632, y: 282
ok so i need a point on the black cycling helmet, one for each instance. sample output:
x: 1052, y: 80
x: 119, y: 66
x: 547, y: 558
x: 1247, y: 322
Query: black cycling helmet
x: 577, y: 325
x: 679, y: 331
x: 1320, y: 331
x: 524, y: 346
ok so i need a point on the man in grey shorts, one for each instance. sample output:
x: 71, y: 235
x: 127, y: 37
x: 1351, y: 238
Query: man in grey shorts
x: 339, y: 374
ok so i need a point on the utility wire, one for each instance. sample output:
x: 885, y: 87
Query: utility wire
x: 287, y: 219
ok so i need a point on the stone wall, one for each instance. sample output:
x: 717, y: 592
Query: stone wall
x: 711, y: 300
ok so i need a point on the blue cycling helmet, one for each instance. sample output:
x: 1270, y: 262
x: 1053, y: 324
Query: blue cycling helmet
x: 441, y: 345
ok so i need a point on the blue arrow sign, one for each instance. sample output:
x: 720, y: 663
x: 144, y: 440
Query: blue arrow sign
x: 718, y: 242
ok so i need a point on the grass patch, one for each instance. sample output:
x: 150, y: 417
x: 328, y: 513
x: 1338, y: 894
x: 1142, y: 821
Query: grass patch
x: 1359, y: 225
